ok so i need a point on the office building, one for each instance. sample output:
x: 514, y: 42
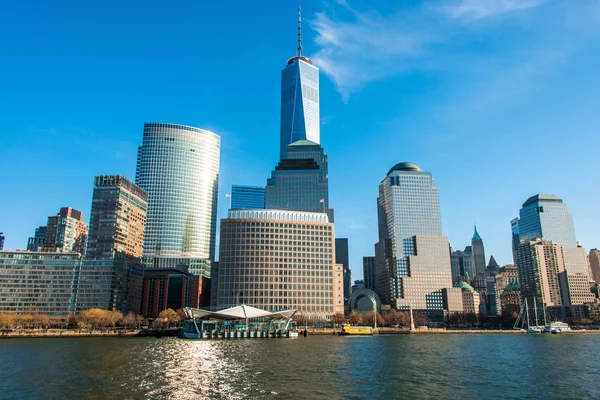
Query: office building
x: 38, y: 240
x: 66, y: 232
x: 178, y: 166
x: 478, y: 252
x: 412, y: 257
x: 300, y: 180
x: 594, y: 261
x: 461, y: 265
x: 491, y: 287
x: 2, y: 238
x: 341, y: 257
x: 507, y: 277
x: 300, y: 118
x: 173, y: 288
x: 117, y: 219
x: 369, y: 272
x: 276, y: 259
x: 247, y: 197
x: 38, y: 282
x: 514, y: 227
x: 470, y: 298
x: 552, y: 268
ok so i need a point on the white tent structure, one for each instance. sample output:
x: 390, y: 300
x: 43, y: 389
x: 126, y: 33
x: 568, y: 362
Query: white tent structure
x: 239, y: 312
x: 242, y: 312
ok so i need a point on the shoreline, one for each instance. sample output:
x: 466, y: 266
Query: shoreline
x: 85, y: 333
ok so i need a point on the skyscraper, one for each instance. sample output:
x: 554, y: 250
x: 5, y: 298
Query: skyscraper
x: 546, y: 216
x: 178, y: 166
x: 38, y: 240
x: 2, y: 238
x: 247, y: 197
x: 66, y: 232
x: 412, y: 257
x: 300, y: 180
x: 594, y: 260
x: 514, y: 227
x: 369, y: 272
x: 118, y: 217
x: 341, y: 257
x: 478, y: 252
x: 462, y: 265
x: 299, y: 98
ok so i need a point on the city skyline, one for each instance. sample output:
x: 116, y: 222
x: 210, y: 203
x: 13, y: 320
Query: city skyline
x: 349, y: 124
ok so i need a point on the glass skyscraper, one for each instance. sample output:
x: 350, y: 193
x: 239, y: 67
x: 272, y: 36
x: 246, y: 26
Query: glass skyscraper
x: 178, y: 166
x: 300, y: 180
x: 247, y: 197
x: 412, y: 255
x: 299, y: 99
x: 546, y: 216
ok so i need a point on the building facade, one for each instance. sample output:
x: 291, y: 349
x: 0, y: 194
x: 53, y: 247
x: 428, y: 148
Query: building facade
x: 461, y: 265
x: 66, y: 232
x: 173, y: 288
x: 369, y: 272
x: 478, y: 252
x: 412, y: 257
x: 38, y: 240
x: 178, y: 166
x: 341, y: 257
x: 2, y: 238
x: 545, y: 216
x: 117, y: 219
x: 38, y: 282
x: 247, y: 197
x: 276, y: 259
x: 594, y: 261
x: 300, y: 117
x: 300, y: 181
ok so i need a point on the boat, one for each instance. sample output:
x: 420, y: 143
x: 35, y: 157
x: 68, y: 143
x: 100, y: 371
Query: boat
x: 557, y: 327
x: 529, y: 324
x: 348, y: 330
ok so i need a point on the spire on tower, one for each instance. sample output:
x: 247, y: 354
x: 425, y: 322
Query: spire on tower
x: 299, y: 31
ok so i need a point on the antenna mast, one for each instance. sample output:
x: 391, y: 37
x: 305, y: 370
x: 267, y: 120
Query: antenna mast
x: 299, y: 31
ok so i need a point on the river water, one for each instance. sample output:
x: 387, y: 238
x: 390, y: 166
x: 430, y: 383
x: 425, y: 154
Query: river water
x: 316, y: 367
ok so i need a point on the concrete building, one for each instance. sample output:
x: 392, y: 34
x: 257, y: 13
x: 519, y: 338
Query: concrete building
x: 178, y: 166
x: 341, y: 257
x: 461, y: 265
x: 118, y: 218
x: 277, y: 259
x: 247, y: 197
x: 492, y: 299
x: 470, y: 298
x: 38, y: 240
x: 594, y: 261
x: 38, y: 282
x: 300, y: 118
x: 369, y: 272
x: 66, y: 232
x: 412, y: 257
x: 173, y: 288
x: 508, y: 274
x: 478, y: 253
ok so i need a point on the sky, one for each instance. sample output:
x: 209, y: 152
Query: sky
x: 498, y: 99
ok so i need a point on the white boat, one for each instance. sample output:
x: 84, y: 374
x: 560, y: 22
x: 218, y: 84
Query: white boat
x: 530, y: 324
x: 557, y: 327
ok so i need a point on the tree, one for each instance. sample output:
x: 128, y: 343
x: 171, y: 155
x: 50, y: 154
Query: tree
x: 7, y: 320
x: 339, y: 319
x: 420, y: 319
x: 167, y: 317
x: 356, y: 319
x: 129, y: 320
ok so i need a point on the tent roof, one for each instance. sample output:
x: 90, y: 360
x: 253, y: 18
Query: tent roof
x: 238, y: 312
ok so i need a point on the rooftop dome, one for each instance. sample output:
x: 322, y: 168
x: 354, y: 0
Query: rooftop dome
x: 464, y: 286
x: 405, y: 166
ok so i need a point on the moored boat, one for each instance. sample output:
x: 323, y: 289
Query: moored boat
x: 355, y: 330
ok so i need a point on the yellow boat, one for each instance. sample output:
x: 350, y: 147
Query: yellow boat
x: 356, y: 330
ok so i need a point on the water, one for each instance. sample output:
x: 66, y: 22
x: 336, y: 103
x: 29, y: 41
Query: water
x: 317, y: 367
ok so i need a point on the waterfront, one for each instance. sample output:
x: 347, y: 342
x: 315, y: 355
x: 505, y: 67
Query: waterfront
x: 386, y: 367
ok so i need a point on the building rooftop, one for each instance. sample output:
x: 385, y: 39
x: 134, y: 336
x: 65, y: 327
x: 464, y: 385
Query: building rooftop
x: 545, y: 197
x: 303, y: 143
x: 464, y: 286
x: 405, y: 166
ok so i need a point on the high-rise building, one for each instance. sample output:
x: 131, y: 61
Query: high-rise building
x: 341, y: 257
x: 38, y: 240
x: 66, y: 232
x: 507, y: 279
x: 276, y: 259
x: 412, y: 257
x: 594, y: 260
x: 247, y: 197
x: 491, y: 287
x: 546, y: 216
x: 2, y: 238
x: 369, y: 272
x: 300, y: 180
x: 38, y: 283
x: 300, y: 118
x: 178, y: 166
x: 461, y: 263
x: 514, y: 227
x: 478, y: 253
x: 548, y: 247
x: 117, y: 219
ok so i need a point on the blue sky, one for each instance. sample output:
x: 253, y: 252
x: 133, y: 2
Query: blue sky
x: 497, y: 98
